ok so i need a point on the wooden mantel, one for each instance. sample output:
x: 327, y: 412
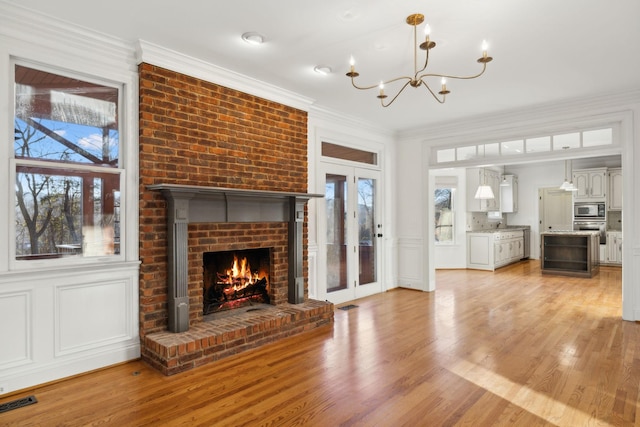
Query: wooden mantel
x: 190, y: 204
x: 217, y: 204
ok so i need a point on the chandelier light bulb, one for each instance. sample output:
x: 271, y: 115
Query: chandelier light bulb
x: 381, y: 86
x: 485, y: 47
x: 352, y: 71
x: 443, y: 89
x: 427, y: 30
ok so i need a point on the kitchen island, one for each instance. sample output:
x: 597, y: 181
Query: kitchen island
x: 570, y: 253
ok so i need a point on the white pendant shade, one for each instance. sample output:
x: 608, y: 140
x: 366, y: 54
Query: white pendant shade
x: 566, y: 185
x: 484, y: 192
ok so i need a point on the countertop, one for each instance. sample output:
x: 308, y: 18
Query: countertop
x: 502, y: 230
x: 571, y: 232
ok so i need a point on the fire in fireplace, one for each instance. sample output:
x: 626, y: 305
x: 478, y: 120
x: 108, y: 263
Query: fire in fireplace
x: 234, y: 279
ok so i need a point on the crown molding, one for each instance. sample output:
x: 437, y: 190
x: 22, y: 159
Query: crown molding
x: 62, y: 39
x: 160, y: 56
x: 317, y: 113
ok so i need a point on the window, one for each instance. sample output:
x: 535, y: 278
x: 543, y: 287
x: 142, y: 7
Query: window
x: 529, y: 146
x: 67, y: 171
x: 444, y: 200
x: 347, y: 153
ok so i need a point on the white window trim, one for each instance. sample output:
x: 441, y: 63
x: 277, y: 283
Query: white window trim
x: 127, y: 145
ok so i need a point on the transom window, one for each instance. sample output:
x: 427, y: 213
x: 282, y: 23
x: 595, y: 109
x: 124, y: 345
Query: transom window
x: 67, y: 166
x: 526, y: 146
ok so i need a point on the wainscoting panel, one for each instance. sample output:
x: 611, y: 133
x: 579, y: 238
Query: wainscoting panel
x: 93, y: 314
x: 313, y: 271
x: 411, y: 272
x: 15, y: 329
x: 59, y: 323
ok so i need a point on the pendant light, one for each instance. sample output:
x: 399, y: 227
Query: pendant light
x: 567, y: 185
x: 484, y: 191
x: 504, y: 182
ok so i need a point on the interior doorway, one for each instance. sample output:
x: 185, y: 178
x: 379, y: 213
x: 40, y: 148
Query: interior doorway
x: 555, y: 209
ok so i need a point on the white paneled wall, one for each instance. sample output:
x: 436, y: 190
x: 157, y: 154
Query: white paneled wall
x: 90, y: 314
x: 15, y: 327
x: 64, y: 323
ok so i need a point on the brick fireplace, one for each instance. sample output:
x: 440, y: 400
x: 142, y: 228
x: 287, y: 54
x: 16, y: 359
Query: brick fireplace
x: 210, y: 158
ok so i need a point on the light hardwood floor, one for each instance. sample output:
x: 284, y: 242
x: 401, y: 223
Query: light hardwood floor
x: 504, y: 348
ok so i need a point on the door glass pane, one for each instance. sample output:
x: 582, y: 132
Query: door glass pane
x: 336, y: 201
x: 366, y: 230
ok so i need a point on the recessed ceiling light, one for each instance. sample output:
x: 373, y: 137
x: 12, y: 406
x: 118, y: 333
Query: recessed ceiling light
x: 253, y: 38
x: 322, y: 69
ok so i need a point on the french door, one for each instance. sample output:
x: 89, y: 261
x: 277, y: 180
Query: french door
x: 352, y: 252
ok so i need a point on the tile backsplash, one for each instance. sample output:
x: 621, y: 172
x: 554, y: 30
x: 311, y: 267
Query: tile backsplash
x: 479, y: 221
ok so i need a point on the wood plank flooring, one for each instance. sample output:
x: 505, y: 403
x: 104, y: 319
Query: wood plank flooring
x: 485, y: 349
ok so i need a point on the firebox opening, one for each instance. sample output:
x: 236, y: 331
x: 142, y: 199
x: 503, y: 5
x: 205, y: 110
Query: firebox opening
x: 234, y: 279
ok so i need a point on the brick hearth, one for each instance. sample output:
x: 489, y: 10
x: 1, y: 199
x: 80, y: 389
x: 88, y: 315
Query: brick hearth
x: 207, y: 342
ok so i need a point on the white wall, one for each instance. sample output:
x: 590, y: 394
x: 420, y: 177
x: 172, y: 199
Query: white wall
x: 531, y: 178
x: 412, y: 198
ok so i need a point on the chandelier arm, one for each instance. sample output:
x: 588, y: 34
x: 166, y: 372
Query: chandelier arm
x: 435, y: 96
x: 361, y: 87
x: 484, y: 68
x: 397, y: 94
x: 353, y: 83
x: 426, y: 63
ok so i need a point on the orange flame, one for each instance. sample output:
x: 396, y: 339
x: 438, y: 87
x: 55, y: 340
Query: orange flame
x: 240, y: 274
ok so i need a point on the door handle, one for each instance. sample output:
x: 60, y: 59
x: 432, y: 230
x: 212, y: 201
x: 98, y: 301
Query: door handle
x: 379, y: 234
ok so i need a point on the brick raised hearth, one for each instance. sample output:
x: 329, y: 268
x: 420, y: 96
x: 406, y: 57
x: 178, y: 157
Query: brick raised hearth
x: 194, y: 133
x: 209, y: 341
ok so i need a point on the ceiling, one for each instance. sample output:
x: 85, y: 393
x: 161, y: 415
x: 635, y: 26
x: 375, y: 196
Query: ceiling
x: 544, y: 51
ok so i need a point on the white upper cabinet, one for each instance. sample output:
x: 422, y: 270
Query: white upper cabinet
x: 614, y: 197
x: 509, y: 194
x: 591, y: 185
x: 482, y: 176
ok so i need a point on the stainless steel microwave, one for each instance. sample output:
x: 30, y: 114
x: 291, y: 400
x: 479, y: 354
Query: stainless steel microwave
x: 589, y: 211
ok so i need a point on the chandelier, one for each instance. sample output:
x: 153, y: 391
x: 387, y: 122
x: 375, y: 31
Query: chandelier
x: 419, y: 78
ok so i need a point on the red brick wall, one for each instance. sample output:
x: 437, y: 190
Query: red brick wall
x: 195, y: 132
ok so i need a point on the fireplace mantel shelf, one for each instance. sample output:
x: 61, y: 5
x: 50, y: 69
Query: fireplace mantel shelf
x: 202, y: 191
x: 216, y: 204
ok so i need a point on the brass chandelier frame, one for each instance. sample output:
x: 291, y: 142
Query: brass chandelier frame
x: 419, y: 79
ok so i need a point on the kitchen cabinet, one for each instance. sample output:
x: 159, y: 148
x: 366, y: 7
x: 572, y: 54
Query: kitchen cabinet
x: 482, y: 176
x: 480, y: 253
x: 614, y: 196
x: 509, y: 194
x: 491, y: 250
x: 570, y: 253
x: 614, y: 247
x: 591, y: 185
